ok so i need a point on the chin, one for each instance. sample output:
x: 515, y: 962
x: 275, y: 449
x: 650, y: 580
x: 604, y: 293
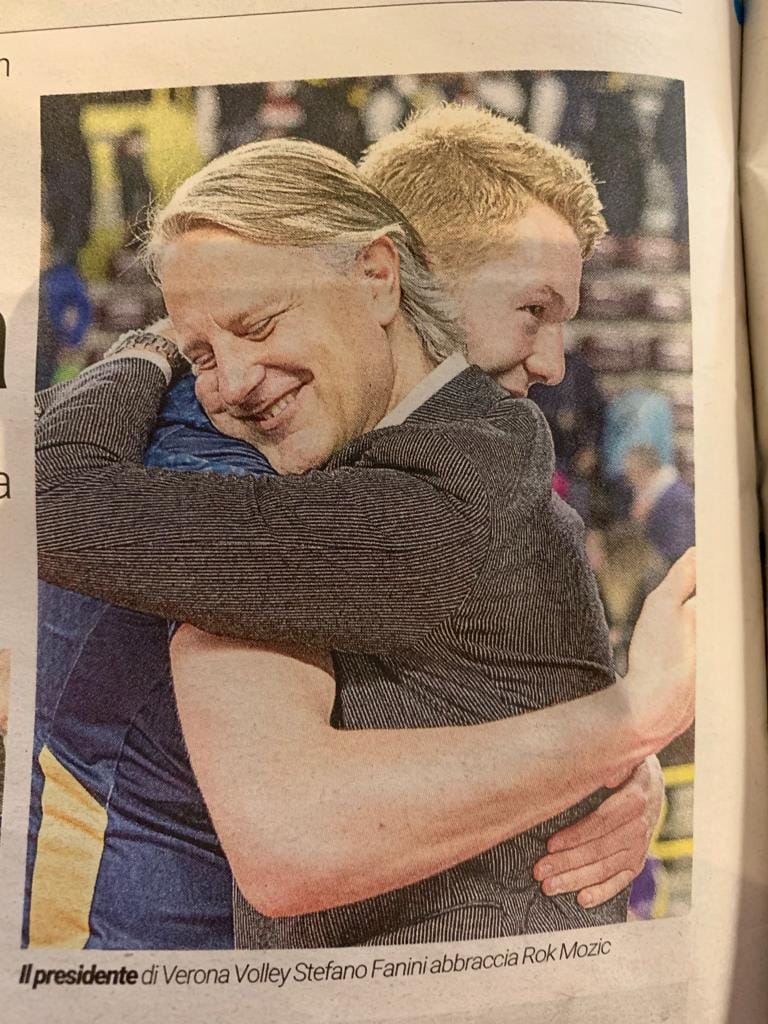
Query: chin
x: 240, y: 430
x: 289, y: 466
x: 513, y: 386
x: 296, y: 460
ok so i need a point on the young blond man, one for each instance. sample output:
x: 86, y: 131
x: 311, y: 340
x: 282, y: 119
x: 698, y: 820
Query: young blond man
x: 508, y: 220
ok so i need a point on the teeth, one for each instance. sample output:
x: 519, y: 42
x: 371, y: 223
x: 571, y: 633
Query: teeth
x: 279, y: 405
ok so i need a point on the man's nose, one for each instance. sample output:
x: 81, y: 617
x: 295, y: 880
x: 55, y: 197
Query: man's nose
x: 238, y: 371
x: 546, y: 363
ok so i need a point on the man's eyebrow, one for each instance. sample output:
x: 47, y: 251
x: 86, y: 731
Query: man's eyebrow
x: 558, y: 300
x: 236, y: 323
x: 193, y: 347
x: 260, y: 309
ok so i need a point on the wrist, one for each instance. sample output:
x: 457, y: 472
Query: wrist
x: 625, y: 733
x: 642, y: 733
x: 153, y: 347
x: 147, y: 356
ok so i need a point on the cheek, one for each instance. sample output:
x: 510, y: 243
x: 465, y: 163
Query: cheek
x: 483, y: 323
x: 227, y: 425
x: 500, y: 345
x: 373, y: 373
x: 207, y: 392
x: 487, y: 339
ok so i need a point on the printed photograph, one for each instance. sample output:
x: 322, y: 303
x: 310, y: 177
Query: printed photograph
x: 365, y: 513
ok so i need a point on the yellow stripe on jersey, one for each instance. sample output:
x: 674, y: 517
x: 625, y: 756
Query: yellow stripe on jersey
x: 70, y: 844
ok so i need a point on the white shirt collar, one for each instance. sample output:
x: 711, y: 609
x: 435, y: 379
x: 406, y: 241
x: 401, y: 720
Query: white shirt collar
x: 427, y: 386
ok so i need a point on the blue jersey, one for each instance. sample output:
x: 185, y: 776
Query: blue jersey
x: 122, y: 853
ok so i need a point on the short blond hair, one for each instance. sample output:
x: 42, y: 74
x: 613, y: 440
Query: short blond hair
x: 291, y: 193
x: 462, y: 175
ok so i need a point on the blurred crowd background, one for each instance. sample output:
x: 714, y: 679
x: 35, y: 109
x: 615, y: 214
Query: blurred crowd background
x: 622, y: 420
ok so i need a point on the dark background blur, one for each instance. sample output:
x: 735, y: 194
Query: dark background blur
x: 622, y: 420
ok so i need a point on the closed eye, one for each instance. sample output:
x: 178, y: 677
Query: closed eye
x: 261, y: 330
x: 535, y: 310
x: 202, y: 361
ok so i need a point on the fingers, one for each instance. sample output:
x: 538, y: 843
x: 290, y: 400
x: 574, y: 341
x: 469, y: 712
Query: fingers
x: 590, y: 875
x: 680, y: 582
x: 628, y: 843
x: 625, y: 805
x: 594, y: 895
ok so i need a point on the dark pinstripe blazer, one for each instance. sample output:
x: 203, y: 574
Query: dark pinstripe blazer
x: 432, y: 557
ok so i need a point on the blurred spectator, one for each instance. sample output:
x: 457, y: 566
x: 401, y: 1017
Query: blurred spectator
x: 385, y: 109
x: 578, y: 118
x: 627, y: 567
x: 64, y: 311
x: 64, y: 308
x: 638, y: 416
x: 561, y: 485
x: 281, y: 113
x: 618, y: 161
x: 669, y: 143
x: 645, y: 890
x: 67, y: 176
x: 575, y: 411
x: 135, y: 189
x: 238, y: 114
x: 663, y: 503
x: 500, y: 91
x: 67, y: 303
x: 548, y: 102
x: 330, y: 119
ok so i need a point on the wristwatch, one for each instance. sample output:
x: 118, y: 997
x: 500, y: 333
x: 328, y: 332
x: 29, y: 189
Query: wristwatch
x: 151, y: 343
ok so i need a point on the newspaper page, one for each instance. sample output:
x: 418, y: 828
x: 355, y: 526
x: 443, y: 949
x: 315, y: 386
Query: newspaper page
x: 383, y: 353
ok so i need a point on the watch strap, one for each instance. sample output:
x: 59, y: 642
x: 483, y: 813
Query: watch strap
x: 149, y: 342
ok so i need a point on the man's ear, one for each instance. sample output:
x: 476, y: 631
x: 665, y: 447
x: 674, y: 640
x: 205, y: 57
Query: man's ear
x: 379, y: 263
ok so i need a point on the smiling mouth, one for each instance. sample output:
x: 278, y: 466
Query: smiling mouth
x: 274, y: 414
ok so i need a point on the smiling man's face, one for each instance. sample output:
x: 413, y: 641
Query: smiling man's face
x: 290, y: 354
x: 515, y: 303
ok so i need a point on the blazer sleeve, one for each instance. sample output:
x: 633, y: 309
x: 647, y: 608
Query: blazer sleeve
x: 370, y: 557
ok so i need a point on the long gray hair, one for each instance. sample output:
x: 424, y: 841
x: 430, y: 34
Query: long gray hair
x: 292, y: 193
